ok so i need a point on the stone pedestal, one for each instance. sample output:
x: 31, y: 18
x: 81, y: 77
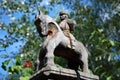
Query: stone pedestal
x: 54, y: 73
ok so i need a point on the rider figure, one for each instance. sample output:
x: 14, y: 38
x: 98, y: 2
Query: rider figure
x: 67, y: 26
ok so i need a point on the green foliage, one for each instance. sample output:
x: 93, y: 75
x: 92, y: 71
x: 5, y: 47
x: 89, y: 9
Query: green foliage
x: 18, y: 60
x: 12, y: 77
x: 27, y: 72
x: 15, y: 69
x: 60, y: 62
x: 4, y: 64
x: 100, y: 34
x: 24, y: 78
x: 23, y: 73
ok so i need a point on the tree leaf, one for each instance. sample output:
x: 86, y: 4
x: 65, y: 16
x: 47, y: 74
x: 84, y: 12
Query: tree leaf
x: 5, y: 64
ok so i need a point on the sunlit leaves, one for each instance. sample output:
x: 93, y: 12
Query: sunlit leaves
x: 18, y: 68
x: 26, y: 74
x: 5, y: 64
x: 15, y: 69
x: 18, y: 60
x: 24, y: 78
x: 19, y: 25
x: 97, y: 27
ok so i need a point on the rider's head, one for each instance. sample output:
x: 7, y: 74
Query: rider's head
x: 63, y: 15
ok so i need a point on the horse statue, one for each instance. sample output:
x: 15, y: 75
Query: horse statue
x: 57, y: 44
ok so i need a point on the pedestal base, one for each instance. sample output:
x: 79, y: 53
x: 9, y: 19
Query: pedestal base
x: 54, y: 73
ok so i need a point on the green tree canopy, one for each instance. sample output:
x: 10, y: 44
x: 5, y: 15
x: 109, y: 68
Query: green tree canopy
x: 97, y: 27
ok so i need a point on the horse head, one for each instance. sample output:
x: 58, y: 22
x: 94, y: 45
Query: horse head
x: 41, y: 22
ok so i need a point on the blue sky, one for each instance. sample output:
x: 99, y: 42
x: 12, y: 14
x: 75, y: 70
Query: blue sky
x: 5, y: 55
x: 9, y: 18
x: 15, y: 47
x: 2, y: 72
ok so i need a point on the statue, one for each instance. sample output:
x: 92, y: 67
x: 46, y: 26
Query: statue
x: 59, y: 42
x: 67, y: 26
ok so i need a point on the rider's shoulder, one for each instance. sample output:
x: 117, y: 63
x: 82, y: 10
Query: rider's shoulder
x: 71, y: 21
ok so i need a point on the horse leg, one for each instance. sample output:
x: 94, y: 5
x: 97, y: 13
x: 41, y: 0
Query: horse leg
x: 84, y: 66
x: 49, y: 57
x: 37, y: 63
x: 84, y: 57
x: 39, y: 59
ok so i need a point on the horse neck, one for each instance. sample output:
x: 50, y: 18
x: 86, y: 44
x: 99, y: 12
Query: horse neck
x: 58, y: 27
x: 51, y: 20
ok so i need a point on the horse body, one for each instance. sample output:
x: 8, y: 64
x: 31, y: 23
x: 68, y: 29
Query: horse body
x: 56, y: 43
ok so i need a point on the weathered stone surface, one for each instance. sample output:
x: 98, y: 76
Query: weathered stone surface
x: 59, y: 43
x: 54, y: 73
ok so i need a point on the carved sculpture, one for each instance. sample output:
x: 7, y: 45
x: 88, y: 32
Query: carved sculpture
x: 57, y: 44
x: 67, y: 25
